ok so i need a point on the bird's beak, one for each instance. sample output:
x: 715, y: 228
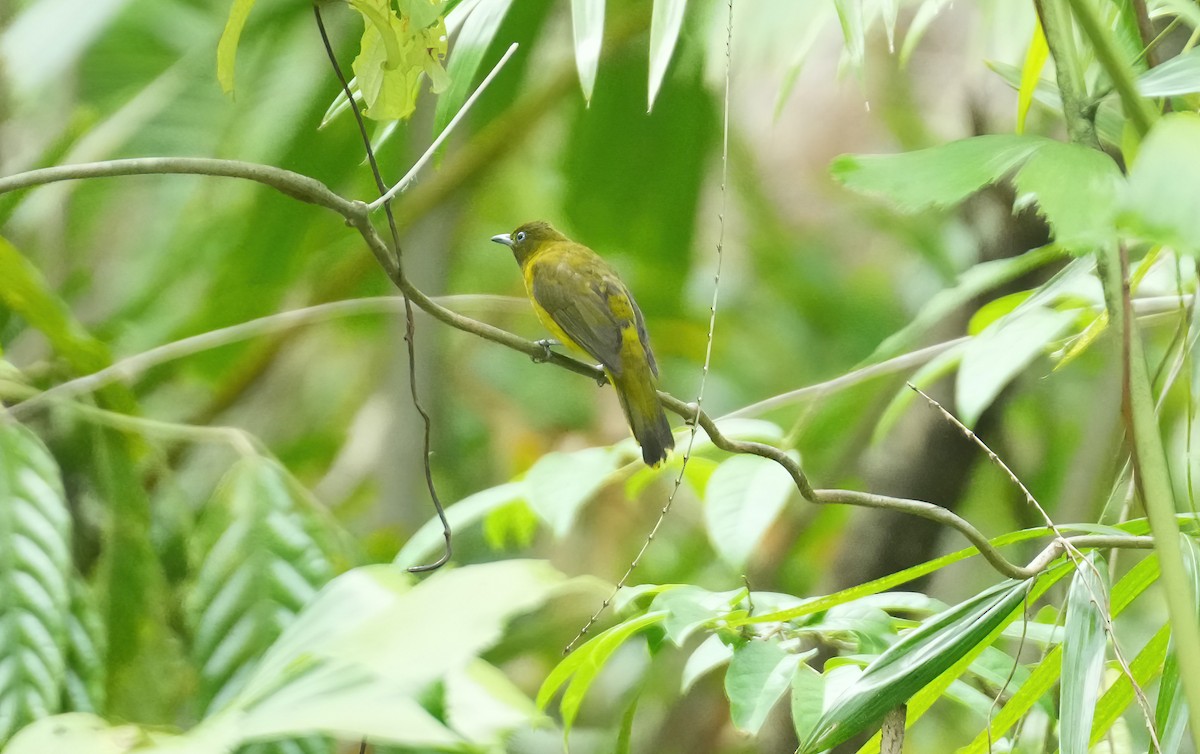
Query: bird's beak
x: 503, y: 238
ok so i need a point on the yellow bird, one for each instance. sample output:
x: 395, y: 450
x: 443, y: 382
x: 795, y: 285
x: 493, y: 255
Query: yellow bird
x: 580, y: 299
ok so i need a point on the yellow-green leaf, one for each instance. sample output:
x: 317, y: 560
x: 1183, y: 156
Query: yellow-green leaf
x: 227, y: 47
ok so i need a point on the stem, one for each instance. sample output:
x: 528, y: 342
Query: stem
x: 1154, y: 481
x: 1056, y: 25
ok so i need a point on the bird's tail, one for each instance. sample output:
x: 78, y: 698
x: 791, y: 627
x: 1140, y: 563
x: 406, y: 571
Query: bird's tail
x: 639, y: 399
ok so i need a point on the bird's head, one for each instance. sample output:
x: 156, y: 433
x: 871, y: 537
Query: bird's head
x: 526, y: 240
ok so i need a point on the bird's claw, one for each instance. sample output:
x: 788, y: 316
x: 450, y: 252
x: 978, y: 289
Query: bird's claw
x: 546, y: 354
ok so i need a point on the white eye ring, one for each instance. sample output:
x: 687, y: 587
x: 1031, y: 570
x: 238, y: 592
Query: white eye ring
x: 520, y: 236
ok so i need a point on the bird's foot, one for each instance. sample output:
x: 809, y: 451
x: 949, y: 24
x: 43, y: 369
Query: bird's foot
x: 546, y: 354
x: 602, y: 377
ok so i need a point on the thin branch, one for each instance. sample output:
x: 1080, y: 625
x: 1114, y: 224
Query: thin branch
x: 295, y: 185
x: 411, y: 175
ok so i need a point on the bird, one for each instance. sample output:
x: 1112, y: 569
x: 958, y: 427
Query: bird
x: 583, y: 303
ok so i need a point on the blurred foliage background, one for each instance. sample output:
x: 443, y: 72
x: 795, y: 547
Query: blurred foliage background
x: 813, y: 280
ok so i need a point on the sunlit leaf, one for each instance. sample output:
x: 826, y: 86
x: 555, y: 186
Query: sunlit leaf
x: 742, y: 500
x: 1084, y: 644
x: 808, y: 700
x: 78, y: 733
x: 665, y: 23
x: 397, y: 52
x: 227, y: 47
x: 587, y: 22
x: 428, y: 541
x: 483, y: 705
x: 758, y: 675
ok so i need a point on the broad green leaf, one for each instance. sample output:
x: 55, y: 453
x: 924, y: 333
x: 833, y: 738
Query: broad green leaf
x: 938, y: 177
x: 1164, y: 183
x: 478, y: 31
x: 227, y: 47
x: 742, y: 500
x: 1075, y: 188
x: 396, y: 53
x: 1177, y: 76
x: 1031, y: 74
x: 359, y: 655
x: 513, y: 524
x: 712, y: 653
x: 259, y: 559
x: 758, y: 675
x: 808, y: 700
x: 587, y: 22
x: 35, y: 574
x: 1084, y: 644
x: 914, y: 661
x: 993, y: 358
x: 665, y: 23
x: 689, y: 608
x: 559, y: 484
x: 428, y: 540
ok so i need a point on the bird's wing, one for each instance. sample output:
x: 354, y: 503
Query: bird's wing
x: 643, y: 336
x: 577, y: 298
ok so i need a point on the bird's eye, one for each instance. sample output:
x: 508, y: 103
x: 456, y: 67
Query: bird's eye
x: 520, y: 236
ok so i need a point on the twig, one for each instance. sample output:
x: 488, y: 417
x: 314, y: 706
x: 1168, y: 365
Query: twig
x: 409, y: 322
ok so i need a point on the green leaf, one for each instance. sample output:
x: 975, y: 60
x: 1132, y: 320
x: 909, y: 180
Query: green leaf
x: 83, y: 686
x: 665, y: 23
x: 559, y: 484
x: 1164, y: 183
x: 1119, y: 696
x: 1075, y: 189
x: 358, y: 656
x: 994, y: 357
x: 478, y: 31
x: 690, y: 608
x: 583, y: 665
x: 711, y: 654
x: 587, y: 22
x: 1031, y: 73
x: 808, y: 700
x: 914, y: 661
x: 1043, y: 677
x: 742, y: 500
x: 938, y: 177
x: 429, y: 538
x: 1084, y: 644
x: 35, y: 569
x: 396, y: 53
x: 260, y: 559
x: 227, y: 47
x: 1178, y: 76
x: 758, y: 675
x: 483, y: 705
